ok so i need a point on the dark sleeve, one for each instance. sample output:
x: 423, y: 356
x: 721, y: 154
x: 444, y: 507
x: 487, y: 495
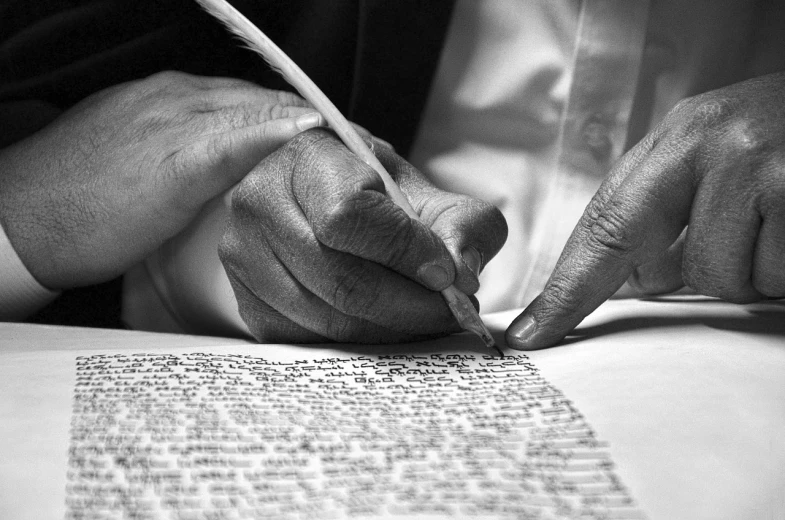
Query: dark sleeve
x: 54, y: 53
x: 373, y: 58
x: 61, y: 51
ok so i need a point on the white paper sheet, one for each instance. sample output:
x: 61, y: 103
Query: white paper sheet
x: 652, y: 410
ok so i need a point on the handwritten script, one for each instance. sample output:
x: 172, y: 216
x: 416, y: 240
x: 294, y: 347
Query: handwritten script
x: 207, y: 436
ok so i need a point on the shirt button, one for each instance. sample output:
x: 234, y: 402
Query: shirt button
x: 596, y: 136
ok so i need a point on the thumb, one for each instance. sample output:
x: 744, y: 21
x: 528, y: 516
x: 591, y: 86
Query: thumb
x: 219, y: 161
x: 472, y: 230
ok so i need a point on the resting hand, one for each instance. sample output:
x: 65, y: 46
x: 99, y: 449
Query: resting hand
x: 316, y: 251
x: 110, y: 180
x: 700, y: 201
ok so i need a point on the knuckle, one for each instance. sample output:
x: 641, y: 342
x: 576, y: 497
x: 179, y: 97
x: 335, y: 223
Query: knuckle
x: 341, y: 225
x: 217, y: 151
x: 242, y: 115
x: 170, y: 80
x: 467, y: 221
x: 698, y: 115
x: 684, y: 105
x: 480, y: 212
x: 711, y: 110
x: 495, y: 228
x: 270, y: 112
x: 277, y: 111
x: 744, y: 138
x: 681, y: 117
x: 235, y: 116
x: 608, y: 230
x: 708, y: 109
x: 218, y: 82
x: 366, y: 224
x: 309, y: 151
x: 287, y: 99
x: 559, y: 294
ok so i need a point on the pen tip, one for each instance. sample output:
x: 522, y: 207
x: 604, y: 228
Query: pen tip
x: 490, y: 342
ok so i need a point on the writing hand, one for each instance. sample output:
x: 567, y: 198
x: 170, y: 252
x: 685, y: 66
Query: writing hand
x: 316, y: 251
x: 700, y: 201
x: 106, y: 183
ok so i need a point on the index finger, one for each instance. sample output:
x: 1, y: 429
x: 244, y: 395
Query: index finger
x: 639, y: 210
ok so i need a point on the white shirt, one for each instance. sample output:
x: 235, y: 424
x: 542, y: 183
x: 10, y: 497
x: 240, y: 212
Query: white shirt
x: 491, y: 126
x: 20, y: 293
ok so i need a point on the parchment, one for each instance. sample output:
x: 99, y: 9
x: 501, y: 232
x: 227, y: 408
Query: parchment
x: 651, y: 410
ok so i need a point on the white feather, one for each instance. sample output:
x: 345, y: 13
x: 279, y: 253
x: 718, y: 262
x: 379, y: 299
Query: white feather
x: 257, y: 41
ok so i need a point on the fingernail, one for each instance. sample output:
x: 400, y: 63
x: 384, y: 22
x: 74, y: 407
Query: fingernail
x: 472, y: 259
x: 520, y: 334
x: 434, y: 276
x: 308, y: 121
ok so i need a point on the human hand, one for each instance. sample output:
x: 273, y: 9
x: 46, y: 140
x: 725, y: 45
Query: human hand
x: 316, y: 251
x: 106, y: 183
x: 716, y: 164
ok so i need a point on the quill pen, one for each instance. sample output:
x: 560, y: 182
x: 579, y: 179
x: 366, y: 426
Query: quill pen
x: 257, y: 41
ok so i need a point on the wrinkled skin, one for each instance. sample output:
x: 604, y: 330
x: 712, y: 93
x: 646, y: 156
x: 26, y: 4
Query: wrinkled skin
x: 699, y: 202
x: 316, y: 251
x: 107, y: 182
